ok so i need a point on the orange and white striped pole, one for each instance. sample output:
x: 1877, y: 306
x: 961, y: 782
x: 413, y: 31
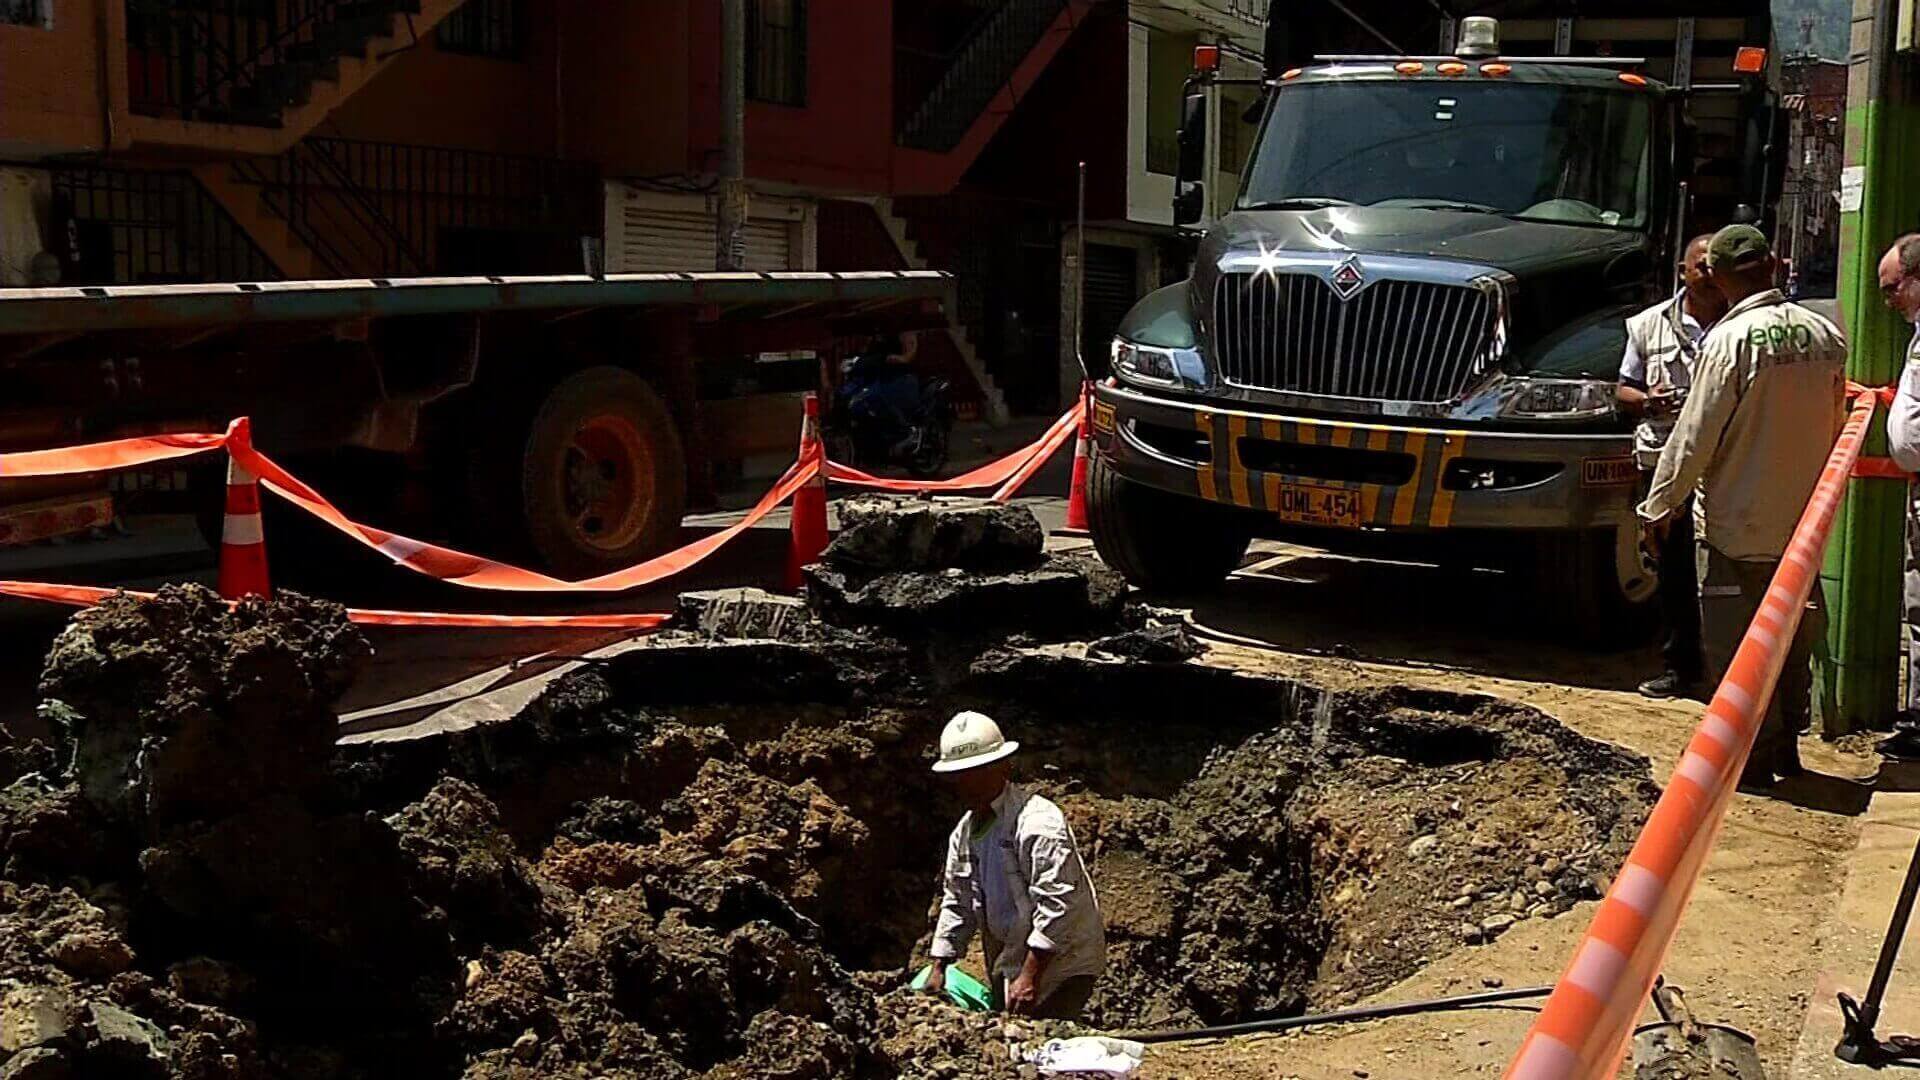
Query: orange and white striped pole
x: 1082, y: 458
x: 243, y: 541
x: 1583, y: 1031
x: 809, y: 531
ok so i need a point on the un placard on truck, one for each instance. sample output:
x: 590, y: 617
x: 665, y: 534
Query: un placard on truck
x: 555, y: 419
x: 1403, y: 332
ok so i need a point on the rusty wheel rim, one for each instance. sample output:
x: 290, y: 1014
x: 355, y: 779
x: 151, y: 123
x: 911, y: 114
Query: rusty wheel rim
x: 605, y: 483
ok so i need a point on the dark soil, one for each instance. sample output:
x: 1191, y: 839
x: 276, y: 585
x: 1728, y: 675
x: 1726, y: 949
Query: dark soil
x: 716, y: 857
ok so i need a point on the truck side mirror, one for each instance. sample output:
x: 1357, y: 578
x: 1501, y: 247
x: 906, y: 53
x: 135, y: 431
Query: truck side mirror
x: 1189, y: 190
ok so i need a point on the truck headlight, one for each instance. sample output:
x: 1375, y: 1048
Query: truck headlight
x: 1558, y: 399
x: 1157, y: 366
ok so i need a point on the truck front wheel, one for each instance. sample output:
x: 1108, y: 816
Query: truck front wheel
x: 1159, y: 540
x: 601, y: 482
x: 1592, y: 588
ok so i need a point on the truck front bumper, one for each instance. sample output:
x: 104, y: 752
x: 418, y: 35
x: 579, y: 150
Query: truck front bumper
x: 1404, y: 478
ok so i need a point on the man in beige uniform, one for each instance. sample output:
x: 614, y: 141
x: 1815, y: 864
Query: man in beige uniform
x: 1767, y: 403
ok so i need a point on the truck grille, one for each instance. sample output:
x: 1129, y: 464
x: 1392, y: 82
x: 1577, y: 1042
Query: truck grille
x: 1395, y: 341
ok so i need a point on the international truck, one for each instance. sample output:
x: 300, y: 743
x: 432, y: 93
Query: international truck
x: 1403, y: 334
x: 554, y: 420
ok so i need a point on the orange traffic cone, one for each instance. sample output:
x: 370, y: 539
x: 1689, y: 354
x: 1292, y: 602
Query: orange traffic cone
x: 243, y: 545
x: 1082, y: 451
x: 810, y: 502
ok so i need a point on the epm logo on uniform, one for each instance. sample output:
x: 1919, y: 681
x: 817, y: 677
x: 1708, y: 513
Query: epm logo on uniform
x: 1773, y: 337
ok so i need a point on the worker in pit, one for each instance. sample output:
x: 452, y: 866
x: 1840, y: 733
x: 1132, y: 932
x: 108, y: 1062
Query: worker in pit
x: 1014, y: 875
x: 1655, y: 374
x: 1767, y: 404
x: 1900, y: 286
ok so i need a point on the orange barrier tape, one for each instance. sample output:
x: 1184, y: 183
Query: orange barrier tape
x: 89, y: 595
x: 1884, y: 393
x: 1879, y: 468
x: 610, y: 621
x: 477, y: 572
x: 1022, y: 462
x: 103, y: 456
x: 1064, y: 431
x: 1584, y: 1028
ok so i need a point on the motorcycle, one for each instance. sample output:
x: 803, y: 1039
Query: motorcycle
x: 860, y: 441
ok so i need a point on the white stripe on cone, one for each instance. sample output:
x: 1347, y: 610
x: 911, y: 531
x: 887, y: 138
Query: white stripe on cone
x: 242, y: 530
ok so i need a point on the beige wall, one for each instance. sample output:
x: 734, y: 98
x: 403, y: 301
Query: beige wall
x: 51, y: 92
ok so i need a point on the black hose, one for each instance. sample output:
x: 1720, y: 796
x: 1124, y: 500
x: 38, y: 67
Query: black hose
x: 1339, y: 1016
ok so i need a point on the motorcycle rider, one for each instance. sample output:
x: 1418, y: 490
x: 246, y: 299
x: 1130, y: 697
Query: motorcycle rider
x: 882, y: 389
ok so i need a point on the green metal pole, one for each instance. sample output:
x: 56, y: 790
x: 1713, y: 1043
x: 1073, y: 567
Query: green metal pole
x: 1857, y: 678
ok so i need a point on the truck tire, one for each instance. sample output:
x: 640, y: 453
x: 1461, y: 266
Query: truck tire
x: 1158, y: 540
x: 599, y: 481
x: 1574, y: 574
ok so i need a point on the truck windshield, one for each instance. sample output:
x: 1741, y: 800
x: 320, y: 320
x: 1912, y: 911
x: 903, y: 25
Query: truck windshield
x: 1549, y: 153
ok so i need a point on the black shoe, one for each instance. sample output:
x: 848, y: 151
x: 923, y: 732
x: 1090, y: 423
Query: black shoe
x: 1902, y: 745
x: 1669, y: 685
x: 1756, y: 781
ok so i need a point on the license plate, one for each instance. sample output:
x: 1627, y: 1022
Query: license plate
x: 1605, y: 472
x: 1310, y: 504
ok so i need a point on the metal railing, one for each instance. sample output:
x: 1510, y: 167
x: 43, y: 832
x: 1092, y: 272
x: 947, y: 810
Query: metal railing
x: 243, y: 61
x: 493, y: 28
x: 372, y: 209
x: 25, y: 12
x: 346, y: 232
x: 975, y: 71
x: 134, y: 227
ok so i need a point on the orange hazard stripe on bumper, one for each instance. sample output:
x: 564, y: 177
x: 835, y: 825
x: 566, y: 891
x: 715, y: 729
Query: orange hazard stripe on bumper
x: 1424, y: 501
x: 1209, y: 489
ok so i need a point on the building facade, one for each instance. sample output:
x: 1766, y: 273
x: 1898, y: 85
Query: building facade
x: 152, y: 141
x: 1814, y: 93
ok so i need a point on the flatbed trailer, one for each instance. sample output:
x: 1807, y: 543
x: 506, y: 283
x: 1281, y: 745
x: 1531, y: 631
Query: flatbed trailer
x: 565, y: 420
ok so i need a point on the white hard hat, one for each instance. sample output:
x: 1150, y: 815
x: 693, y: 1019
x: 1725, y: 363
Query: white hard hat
x: 971, y: 740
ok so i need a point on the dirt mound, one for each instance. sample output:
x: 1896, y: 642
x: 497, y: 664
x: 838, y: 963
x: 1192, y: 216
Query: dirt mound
x: 715, y: 857
x: 916, y: 567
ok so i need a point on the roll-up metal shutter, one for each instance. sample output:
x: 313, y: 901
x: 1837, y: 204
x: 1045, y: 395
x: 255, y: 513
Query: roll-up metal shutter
x: 661, y: 232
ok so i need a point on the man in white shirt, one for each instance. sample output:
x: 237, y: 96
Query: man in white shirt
x: 1768, y: 401
x: 1013, y: 874
x: 1655, y: 374
x: 1900, y: 286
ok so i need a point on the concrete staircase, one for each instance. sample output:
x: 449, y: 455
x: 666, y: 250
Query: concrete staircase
x: 269, y: 231
x: 994, y: 401
x: 276, y: 89
x: 985, y: 79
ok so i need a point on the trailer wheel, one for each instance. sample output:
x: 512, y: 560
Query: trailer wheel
x: 1158, y: 540
x: 601, y: 479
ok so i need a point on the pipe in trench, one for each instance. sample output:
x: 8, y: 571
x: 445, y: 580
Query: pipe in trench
x: 1339, y: 1016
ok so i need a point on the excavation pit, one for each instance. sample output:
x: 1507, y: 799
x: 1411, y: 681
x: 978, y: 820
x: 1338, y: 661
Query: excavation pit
x: 716, y: 855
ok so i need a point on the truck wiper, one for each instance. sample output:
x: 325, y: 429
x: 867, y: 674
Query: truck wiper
x: 1463, y: 207
x: 1303, y: 202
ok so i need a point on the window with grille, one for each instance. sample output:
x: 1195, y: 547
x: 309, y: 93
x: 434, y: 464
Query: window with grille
x: 495, y: 28
x: 27, y: 13
x: 777, y: 52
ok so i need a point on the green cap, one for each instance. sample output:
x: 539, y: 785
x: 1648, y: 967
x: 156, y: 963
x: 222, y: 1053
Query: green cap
x: 1737, y: 245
